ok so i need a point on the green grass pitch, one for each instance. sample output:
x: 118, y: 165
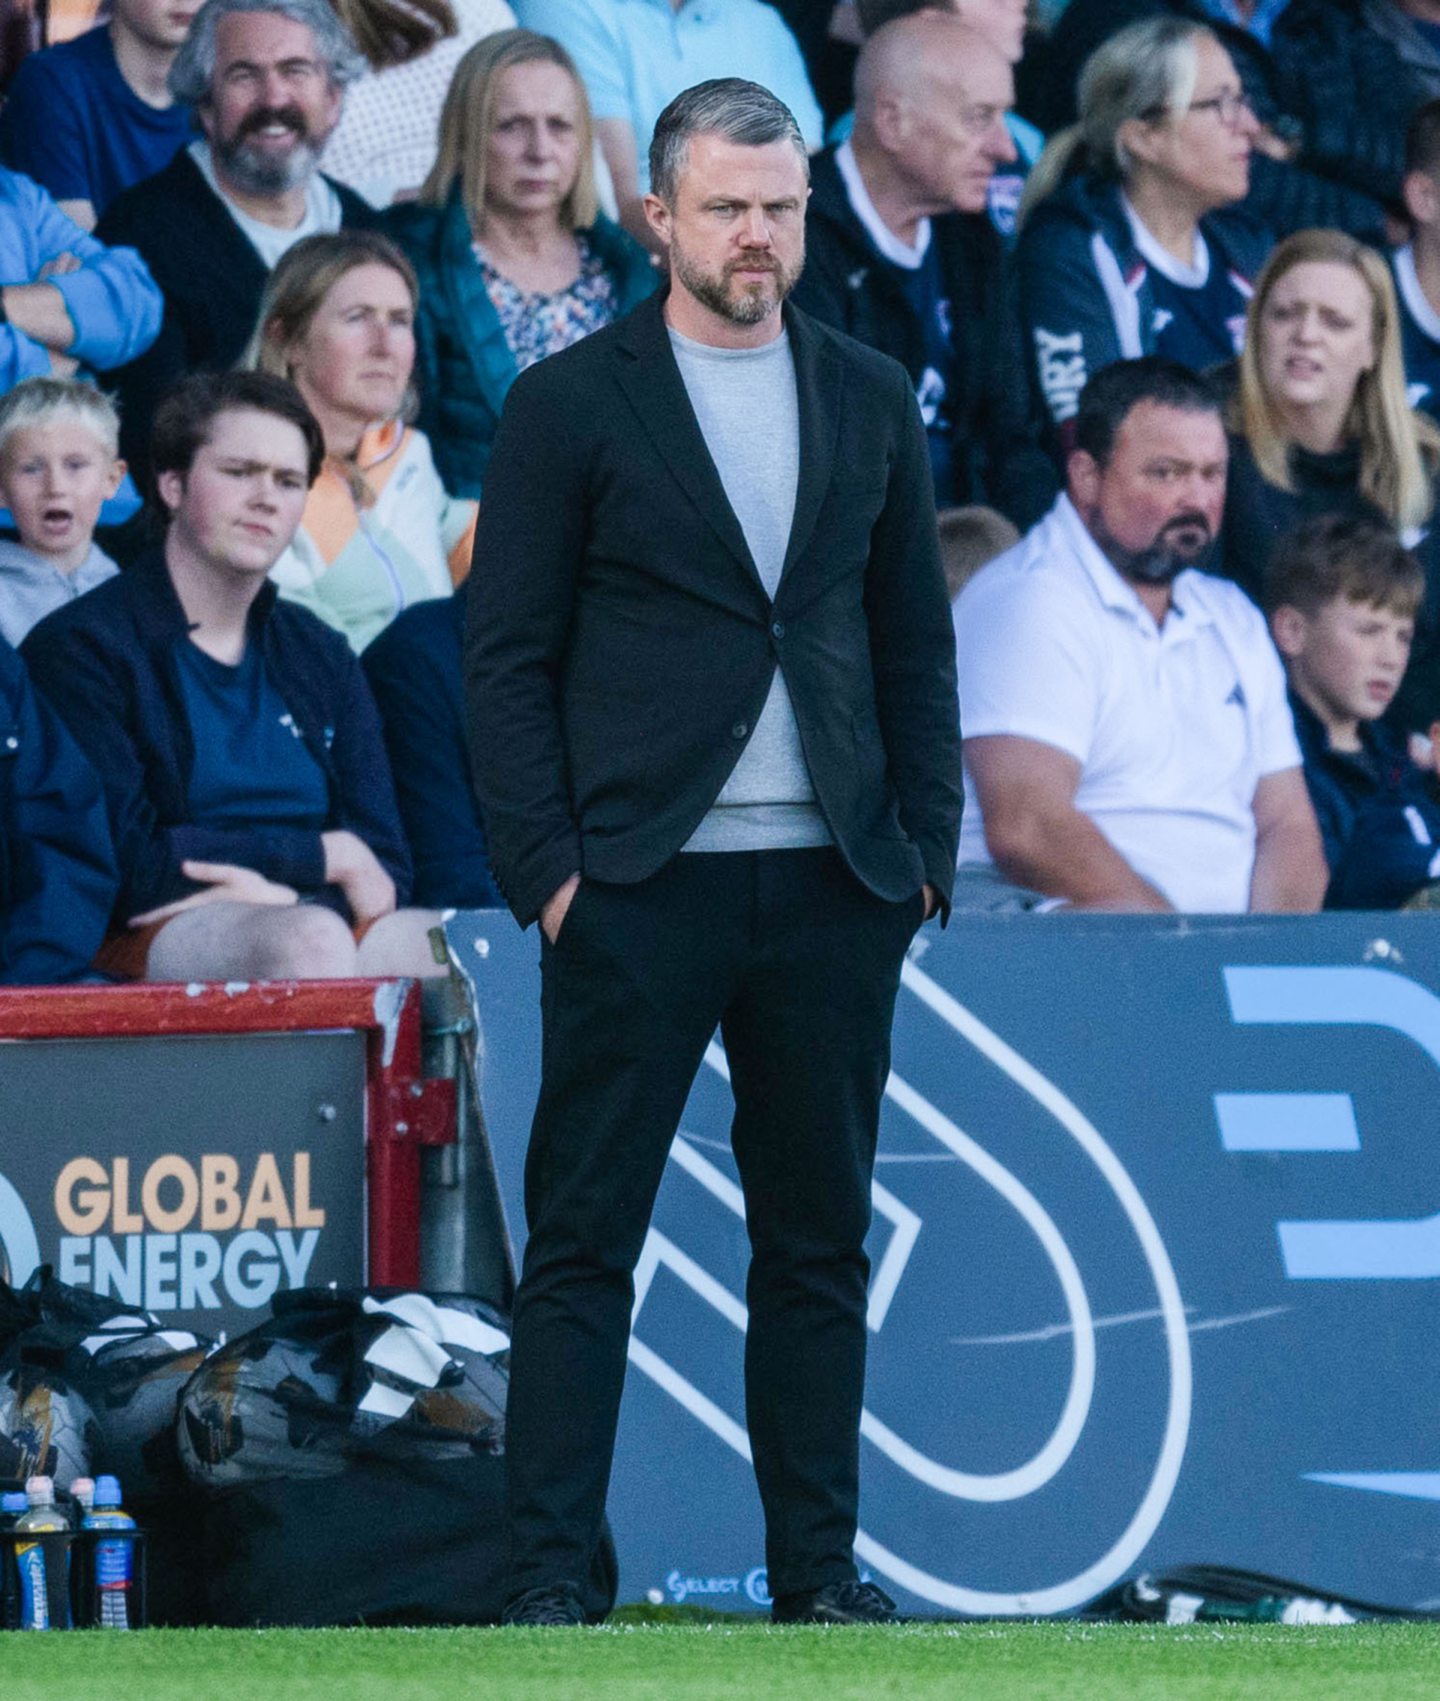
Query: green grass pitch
x: 732, y: 1661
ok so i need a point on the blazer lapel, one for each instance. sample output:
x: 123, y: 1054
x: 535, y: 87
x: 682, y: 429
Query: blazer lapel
x: 651, y: 379
x: 819, y: 377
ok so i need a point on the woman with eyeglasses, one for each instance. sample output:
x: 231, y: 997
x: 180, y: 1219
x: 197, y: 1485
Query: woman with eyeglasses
x: 1130, y: 239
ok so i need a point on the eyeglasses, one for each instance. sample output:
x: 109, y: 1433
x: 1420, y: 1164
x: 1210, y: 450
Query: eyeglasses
x: 1228, y: 107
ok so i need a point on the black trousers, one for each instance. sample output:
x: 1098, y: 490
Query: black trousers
x: 799, y: 965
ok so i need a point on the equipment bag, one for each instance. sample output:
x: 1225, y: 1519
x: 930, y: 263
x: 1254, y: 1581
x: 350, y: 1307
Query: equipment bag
x: 350, y: 1455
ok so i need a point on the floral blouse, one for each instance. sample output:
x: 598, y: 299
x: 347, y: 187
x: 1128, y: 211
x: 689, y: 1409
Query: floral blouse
x: 537, y: 325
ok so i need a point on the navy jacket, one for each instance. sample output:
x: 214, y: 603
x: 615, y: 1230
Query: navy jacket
x: 849, y: 284
x: 414, y: 669
x: 1379, y: 815
x: 107, y: 663
x: 57, y: 868
x: 463, y: 364
x: 1084, y: 294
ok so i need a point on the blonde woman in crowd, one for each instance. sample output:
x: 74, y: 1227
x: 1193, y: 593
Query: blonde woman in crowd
x: 515, y: 260
x: 1320, y: 424
x: 379, y: 530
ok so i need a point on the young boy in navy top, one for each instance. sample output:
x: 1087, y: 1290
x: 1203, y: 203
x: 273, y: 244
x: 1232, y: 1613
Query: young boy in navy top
x: 1342, y: 595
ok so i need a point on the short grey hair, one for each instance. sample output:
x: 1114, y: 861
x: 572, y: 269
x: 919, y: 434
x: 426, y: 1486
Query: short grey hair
x: 194, y: 69
x: 728, y: 107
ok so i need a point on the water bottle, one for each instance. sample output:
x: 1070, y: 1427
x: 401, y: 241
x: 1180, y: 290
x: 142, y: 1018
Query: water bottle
x: 44, y: 1591
x: 82, y: 1494
x: 12, y: 1504
x: 114, y: 1557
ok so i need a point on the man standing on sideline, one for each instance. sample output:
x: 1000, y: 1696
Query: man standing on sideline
x: 715, y: 738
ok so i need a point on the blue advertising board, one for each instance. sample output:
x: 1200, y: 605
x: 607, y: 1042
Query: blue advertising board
x: 1156, y: 1238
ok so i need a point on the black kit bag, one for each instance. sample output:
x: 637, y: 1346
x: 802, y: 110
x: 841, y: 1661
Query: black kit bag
x: 104, y: 1381
x: 350, y: 1455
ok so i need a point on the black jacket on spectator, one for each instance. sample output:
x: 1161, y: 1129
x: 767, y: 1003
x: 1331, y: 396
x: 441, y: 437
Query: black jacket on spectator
x: 1343, y: 95
x: 57, y: 868
x: 849, y: 284
x: 1085, y: 299
x: 414, y: 668
x: 212, y: 279
x: 1379, y: 814
x: 1258, y: 514
x: 107, y: 663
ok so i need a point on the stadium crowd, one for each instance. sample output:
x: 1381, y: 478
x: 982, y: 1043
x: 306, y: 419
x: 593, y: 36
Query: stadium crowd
x: 1172, y: 328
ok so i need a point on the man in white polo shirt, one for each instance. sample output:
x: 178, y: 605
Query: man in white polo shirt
x: 1128, y: 745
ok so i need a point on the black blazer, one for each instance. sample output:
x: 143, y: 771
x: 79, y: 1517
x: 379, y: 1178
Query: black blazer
x: 621, y: 645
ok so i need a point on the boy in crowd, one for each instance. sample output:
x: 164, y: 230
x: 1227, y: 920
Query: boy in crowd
x: 59, y: 462
x: 1342, y: 595
x: 249, y: 796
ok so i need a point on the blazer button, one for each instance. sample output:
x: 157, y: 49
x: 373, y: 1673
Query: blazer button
x: 739, y: 730
x: 778, y: 629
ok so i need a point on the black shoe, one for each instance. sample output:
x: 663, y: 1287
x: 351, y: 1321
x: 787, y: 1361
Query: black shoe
x: 542, y: 1608
x: 836, y: 1603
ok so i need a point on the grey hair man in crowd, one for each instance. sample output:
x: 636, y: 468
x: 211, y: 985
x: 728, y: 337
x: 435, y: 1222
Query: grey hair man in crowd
x: 266, y: 79
x: 714, y: 730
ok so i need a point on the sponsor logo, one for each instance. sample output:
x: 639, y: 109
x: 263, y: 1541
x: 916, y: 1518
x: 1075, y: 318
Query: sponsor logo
x: 187, y: 1234
x: 682, y: 1586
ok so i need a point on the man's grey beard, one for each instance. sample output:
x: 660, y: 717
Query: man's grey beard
x: 747, y: 308
x: 255, y: 174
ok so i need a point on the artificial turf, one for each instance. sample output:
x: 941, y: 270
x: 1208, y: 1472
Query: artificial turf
x: 688, y: 1661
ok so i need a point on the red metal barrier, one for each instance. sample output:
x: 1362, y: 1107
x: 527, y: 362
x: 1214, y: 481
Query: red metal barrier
x: 404, y: 1111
